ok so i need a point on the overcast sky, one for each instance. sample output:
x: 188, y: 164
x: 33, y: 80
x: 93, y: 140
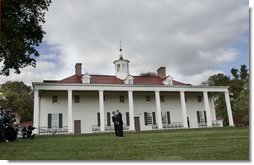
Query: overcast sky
x: 193, y: 39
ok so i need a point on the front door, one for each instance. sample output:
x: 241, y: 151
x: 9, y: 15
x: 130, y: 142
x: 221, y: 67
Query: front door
x: 137, y: 123
x: 77, y: 126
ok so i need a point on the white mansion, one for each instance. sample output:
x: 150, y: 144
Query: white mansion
x: 83, y: 103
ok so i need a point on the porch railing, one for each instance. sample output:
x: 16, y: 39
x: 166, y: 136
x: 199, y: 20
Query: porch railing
x: 53, y: 130
x: 217, y: 123
x: 172, y: 125
x: 96, y: 128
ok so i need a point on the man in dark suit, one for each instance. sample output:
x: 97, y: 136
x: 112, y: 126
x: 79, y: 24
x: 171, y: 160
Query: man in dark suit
x: 120, y: 123
x: 114, y: 119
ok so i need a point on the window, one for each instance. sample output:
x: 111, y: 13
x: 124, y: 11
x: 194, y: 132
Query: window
x: 121, y: 99
x: 130, y: 81
x: 166, y: 117
x: 148, y: 98
x: 201, y: 115
x: 199, y: 99
x: 104, y: 99
x: 76, y: 98
x: 86, y: 80
x: 118, y: 67
x: 55, y: 120
x: 123, y: 67
x: 148, y: 118
x: 162, y: 98
x: 54, y: 99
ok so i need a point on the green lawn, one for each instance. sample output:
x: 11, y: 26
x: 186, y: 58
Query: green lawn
x: 190, y: 144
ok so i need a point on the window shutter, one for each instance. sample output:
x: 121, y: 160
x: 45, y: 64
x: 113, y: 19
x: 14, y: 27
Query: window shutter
x: 49, y: 120
x: 168, y: 117
x: 60, y: 120
x: 98, y: 119
x: 127, y: 118
x: 145, y: 117
x: 154, y: 119
x: 205, y: 116
x: 108, y: 119
x: 198, y: 115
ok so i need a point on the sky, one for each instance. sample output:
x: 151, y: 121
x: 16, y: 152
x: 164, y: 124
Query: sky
x: 193, y: 39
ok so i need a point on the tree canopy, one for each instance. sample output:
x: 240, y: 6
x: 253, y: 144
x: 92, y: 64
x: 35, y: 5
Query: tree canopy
x: 21, y: 32
x: 19, y: 98
x: 238, y: 90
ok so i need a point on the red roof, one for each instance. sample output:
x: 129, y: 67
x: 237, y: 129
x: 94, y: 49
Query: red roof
x: 72, y: 79
x: 105, y: 79
x: 147, y: 80
x: 109, y: 79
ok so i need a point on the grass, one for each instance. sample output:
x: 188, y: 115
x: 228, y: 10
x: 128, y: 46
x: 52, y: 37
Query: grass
x: 191, y: 144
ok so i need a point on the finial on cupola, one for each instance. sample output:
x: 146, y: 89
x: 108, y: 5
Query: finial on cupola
x: 121, y: 55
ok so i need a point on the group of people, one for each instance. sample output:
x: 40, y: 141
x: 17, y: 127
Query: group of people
x: 8, y: 128
x: 118, y: 123
x: 27, y: 132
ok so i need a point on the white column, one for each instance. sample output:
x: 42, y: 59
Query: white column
x: 213, y: 108
x: 36, y: 112
x: 131, y: 110
x: 70, y: 123
x: 184, y: 112
x: 158, y: 109
x: 101, y: 102
x: 207, y: 109
x: 229, y: 110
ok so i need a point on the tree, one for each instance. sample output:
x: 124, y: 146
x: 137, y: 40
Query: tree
x: 244, y: 73
x: 21, y: 32
x: 19, y: 98
x: 217, y: 80
x: 234, y: 72
x: 238, y: 90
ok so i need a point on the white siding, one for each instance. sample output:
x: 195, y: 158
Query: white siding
x: 86, y: 110
x: 46, y: 106
x: 88, y: 107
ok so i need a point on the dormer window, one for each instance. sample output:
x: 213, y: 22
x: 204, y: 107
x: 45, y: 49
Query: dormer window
x: 86, y: 78
x: 168, y: 81
x: 129, y: 79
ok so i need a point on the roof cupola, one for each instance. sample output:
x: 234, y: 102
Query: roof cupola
x: 121, y: 66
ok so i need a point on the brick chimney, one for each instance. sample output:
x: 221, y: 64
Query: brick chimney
x: 78, y: 69
x: 161, y: 72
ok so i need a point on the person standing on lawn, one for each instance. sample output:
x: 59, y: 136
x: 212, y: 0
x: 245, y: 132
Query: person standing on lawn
x: 114, y: 119
x: 120, y: 123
